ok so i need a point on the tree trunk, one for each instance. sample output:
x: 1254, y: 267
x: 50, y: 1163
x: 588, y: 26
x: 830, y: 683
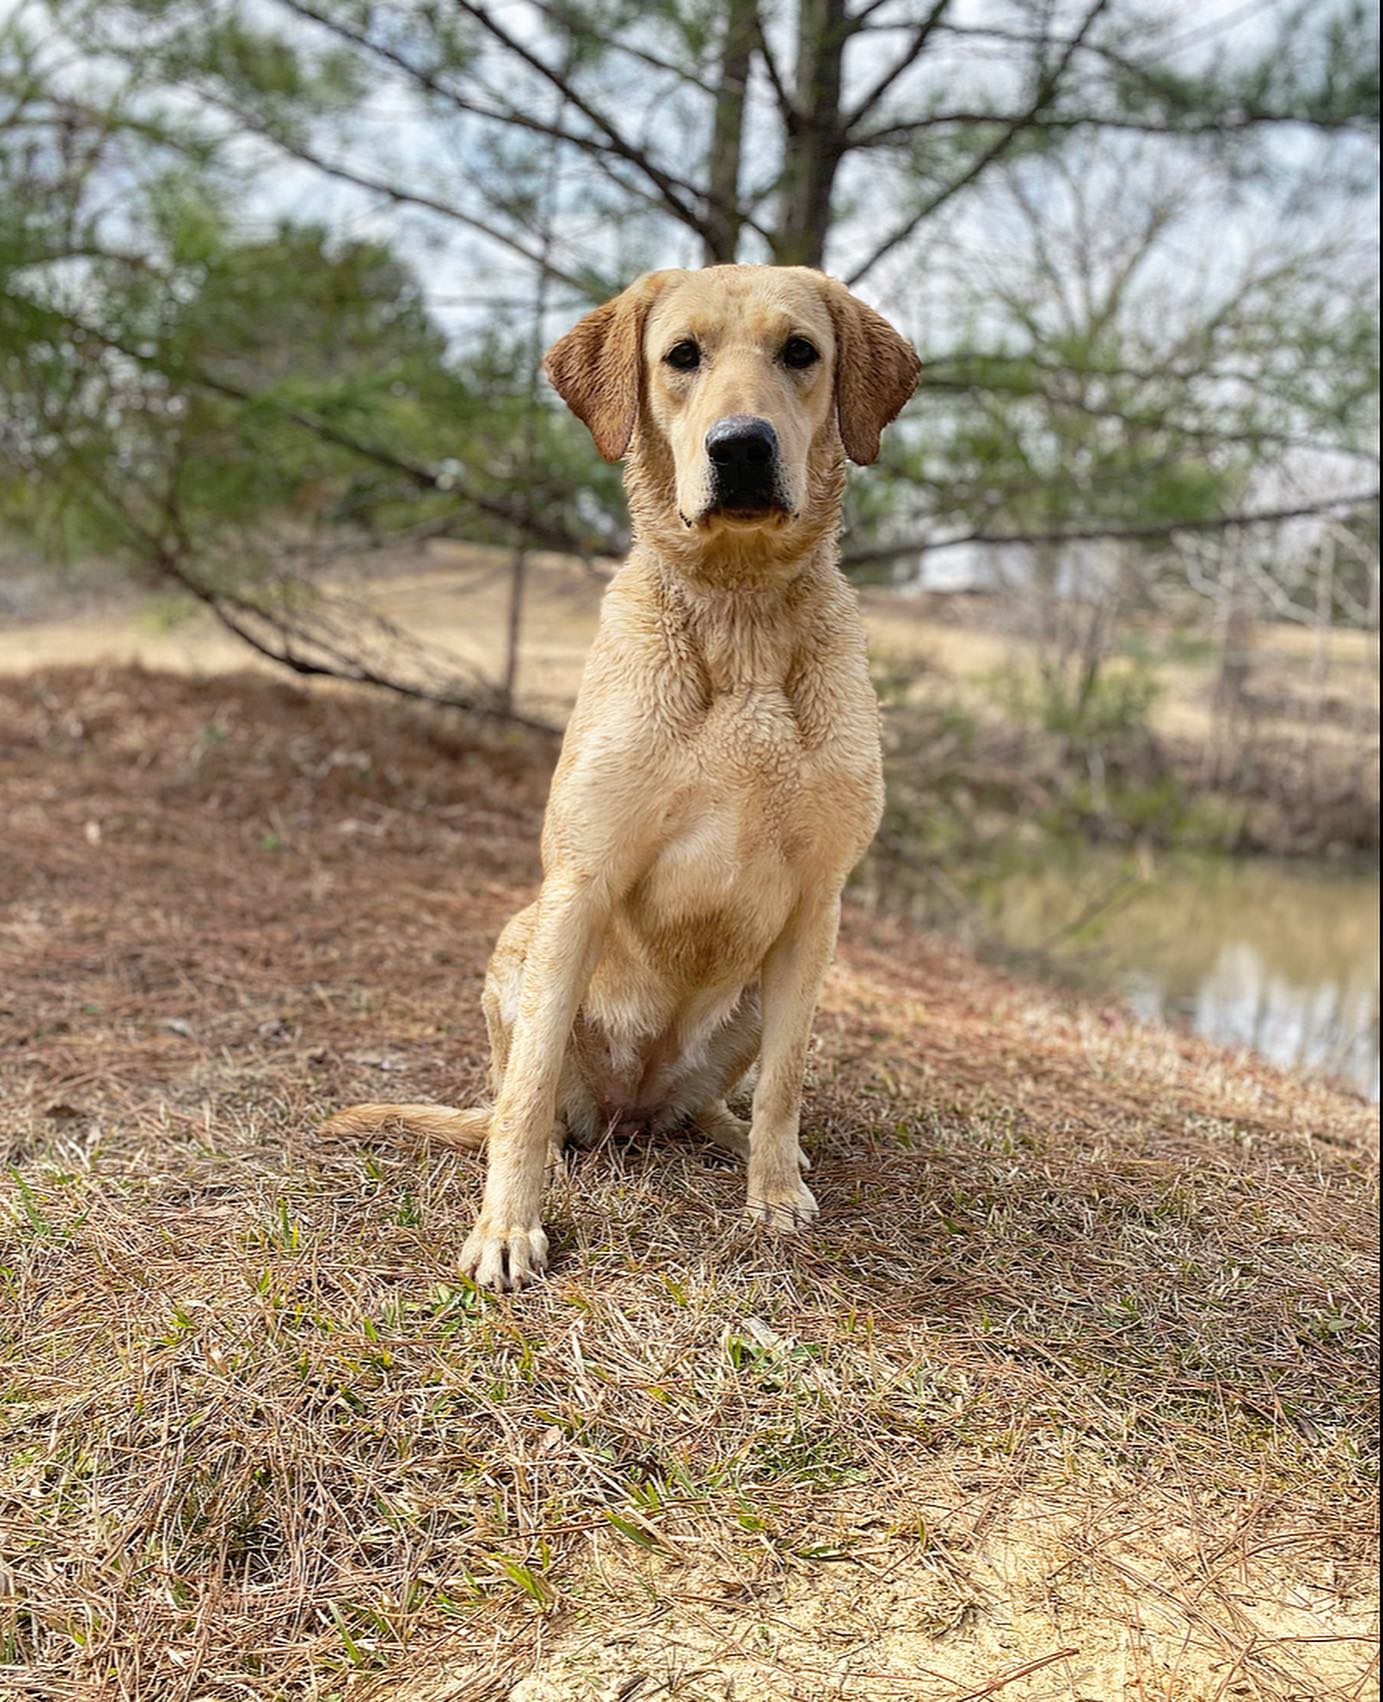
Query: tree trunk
x: 518, y: 565
x: 723, y: 215
x: 1325, y: 610
x: 815, y: 144
x: 1235, y: 624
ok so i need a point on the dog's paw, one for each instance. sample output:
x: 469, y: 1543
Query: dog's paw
x: 504, y: 1259
x: 782, y: 1209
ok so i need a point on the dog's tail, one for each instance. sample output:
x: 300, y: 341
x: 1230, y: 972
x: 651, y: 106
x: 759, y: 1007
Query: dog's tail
x: 432, y: 1122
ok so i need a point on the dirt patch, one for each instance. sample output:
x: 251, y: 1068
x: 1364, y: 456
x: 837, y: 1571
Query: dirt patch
x: 1070, y: 1395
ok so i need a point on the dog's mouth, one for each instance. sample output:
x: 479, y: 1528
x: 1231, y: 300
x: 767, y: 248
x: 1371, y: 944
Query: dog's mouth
x: 747, y: 511
x: 738, y: 516
x: 744, y: 503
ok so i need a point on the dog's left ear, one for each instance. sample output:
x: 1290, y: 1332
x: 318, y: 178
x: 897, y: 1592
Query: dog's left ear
x: 597, y: 368
x: 876, y: 372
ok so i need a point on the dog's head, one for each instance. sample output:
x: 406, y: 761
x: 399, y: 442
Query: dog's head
x: 738, y: 388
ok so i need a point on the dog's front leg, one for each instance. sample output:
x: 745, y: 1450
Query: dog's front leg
x: 791, y: 979
x: 507, y: 1248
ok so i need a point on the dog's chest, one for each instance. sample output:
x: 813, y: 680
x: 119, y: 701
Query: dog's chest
x: 771, y: 753
x: 752, y: 739
x: 772, y: 775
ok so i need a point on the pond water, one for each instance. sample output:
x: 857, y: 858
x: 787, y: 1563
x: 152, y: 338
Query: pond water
x: 1278, y: 957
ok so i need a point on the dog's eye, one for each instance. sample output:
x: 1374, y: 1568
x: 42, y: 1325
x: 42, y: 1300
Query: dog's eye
x: 798, y: 353
x: 685, y: 356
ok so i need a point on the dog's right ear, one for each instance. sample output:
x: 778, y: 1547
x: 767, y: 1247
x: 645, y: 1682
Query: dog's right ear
x: 597, y: 368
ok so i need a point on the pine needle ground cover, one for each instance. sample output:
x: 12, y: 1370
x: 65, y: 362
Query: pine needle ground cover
x: 1071, y: 1393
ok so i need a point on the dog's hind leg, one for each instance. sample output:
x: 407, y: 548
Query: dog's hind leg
x: 722, y: 1128
x: 701, y: 1100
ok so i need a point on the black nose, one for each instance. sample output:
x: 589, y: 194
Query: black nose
x: 742, y: 447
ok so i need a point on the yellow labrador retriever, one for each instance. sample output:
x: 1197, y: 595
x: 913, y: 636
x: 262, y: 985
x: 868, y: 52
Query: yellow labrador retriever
x: 720, y: 775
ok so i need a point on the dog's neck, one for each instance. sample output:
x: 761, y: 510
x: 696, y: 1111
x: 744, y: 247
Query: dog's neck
x: 747, y: 610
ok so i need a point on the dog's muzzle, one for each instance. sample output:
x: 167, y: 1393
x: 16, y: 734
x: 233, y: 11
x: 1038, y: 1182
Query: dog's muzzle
x: 746, y: 471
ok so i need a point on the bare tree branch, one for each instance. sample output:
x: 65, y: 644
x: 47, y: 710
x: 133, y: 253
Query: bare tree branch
x: 286, y: 639
x: 238, y: 615
x: 516, y: 117
x: 667, y: 186
x: 560, y: 16
x: 1230, y: 123
x: 1158, y: 422
x: 911, y: 54
x: 1098, y: 534
x: 858, y: 20
x: 937, y: 364
x: 1152, y: 77
x: 582, y: 287
x: 1048, y: 87
x: 782, y: 94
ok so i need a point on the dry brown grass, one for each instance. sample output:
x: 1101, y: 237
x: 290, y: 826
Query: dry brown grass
x: 1070, y: 1395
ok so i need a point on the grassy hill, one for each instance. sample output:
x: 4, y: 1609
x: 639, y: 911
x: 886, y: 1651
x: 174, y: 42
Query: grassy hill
x: 1071, y: 1393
